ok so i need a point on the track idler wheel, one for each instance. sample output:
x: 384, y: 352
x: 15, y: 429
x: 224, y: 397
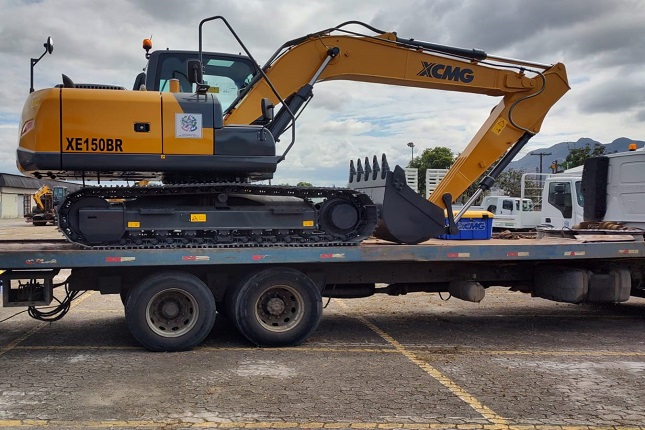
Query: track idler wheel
x: 339, y: 217
x: 404, y: 215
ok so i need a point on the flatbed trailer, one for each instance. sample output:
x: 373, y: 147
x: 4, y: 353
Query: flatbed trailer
x: 274, y: 294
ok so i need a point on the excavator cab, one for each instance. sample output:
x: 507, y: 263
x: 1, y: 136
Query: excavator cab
x: 225, y: 74
x: 172, y: 134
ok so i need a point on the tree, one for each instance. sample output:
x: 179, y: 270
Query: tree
x: 577, y: 156
x: 435, y: 158
x: 299, y: 184
x: 472, y: 189
x: 510, y: 181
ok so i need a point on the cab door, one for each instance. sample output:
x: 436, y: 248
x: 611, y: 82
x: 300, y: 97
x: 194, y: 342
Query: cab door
x: 189, y: 123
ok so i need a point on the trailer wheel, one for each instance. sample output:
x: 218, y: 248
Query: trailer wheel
x: 124, y: 294
x: 277, y: 307
x: 170, y: 311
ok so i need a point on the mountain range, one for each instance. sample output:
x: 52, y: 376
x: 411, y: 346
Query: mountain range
x: 531, y: 161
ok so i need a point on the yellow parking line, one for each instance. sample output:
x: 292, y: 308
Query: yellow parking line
x: 15, y: 343
x: 482, y: 409
x: 339, y: 349
x: 374, y: 350
x: 569, y: 353
x: 134, y: 424
x: 332, y: 349
x: 100, y: 311
x: 204, y: 348
x: 76, y: 347
x: 528, y: 352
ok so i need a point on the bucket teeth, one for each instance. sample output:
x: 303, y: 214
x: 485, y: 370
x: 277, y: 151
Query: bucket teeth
x: 384, y: 165
x: 375, y: 167
x: 404, y: 215
x: 368, y: 169
x: 363, y: 170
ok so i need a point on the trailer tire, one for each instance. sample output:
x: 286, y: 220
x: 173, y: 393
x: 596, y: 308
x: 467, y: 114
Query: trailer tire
x: 171, y: 311
x: 124, y: 294
x: 277, y: 307
x: 226, y: 307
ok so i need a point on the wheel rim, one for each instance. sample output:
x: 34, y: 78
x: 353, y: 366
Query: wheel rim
x: 172, y: 313
x: 279, y: 308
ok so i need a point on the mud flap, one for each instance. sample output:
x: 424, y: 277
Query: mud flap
x: 404, y: 215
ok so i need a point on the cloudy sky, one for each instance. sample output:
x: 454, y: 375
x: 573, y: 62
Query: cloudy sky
x: 601, y: 42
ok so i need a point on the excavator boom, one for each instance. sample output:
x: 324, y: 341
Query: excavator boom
x: 387, y: 59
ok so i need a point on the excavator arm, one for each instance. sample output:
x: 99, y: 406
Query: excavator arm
x: 39, y: 197
x: 288, y: 78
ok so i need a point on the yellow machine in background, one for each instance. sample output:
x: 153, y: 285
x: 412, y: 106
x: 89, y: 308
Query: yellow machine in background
x: 47, y: 199
x: 214, y: 133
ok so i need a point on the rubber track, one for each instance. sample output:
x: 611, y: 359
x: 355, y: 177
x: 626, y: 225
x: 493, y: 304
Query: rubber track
x: 243, y: 238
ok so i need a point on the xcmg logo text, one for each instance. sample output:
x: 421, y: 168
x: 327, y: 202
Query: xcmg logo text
x: 448, y: 73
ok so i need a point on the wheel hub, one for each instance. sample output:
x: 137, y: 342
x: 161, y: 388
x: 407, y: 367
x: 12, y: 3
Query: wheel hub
x: 280, y: 308
x: 275, y: 306
x: 172, y: 312
x: 170, y: 309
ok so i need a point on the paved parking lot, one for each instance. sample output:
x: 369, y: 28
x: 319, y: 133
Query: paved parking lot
x: 416, y: 361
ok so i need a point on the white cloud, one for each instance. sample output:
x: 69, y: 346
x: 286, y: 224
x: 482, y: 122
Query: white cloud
x: 600, y: 42
x: 8, y: 134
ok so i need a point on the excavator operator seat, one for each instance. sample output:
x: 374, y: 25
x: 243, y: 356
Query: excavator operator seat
x: 173, y: 68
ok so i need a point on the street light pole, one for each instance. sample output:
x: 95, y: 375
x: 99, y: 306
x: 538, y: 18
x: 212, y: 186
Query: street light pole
x: 541, y: 155
x: 411, y: 146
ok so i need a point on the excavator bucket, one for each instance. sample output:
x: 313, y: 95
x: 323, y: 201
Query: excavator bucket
x: 404, y: 215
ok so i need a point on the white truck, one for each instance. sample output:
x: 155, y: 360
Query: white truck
x: 511, y: 213
x: 558, y: 201
x: 563, y: 201
x: 614, y: 190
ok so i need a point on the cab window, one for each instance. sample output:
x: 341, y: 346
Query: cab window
x: 581, y: 198
x: 527, y: 205
x: 560, y: 198
x: 226, y: 74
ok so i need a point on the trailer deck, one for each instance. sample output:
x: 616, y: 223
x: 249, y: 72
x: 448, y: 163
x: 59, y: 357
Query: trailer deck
x: 60, y: 254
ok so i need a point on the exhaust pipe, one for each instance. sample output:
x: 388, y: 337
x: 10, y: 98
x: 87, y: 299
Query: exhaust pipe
x: 404, y: 216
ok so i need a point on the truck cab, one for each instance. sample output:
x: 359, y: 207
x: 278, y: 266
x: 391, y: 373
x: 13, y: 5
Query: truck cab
x: 610, y: 188
x: 511, y: 213
x: 562, y: 202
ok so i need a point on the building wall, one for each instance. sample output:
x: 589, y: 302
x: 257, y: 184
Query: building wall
x: 12, y: 202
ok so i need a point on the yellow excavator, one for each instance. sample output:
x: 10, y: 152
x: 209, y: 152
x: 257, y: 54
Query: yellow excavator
x: 47, y: 199
x: 206, y: 125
